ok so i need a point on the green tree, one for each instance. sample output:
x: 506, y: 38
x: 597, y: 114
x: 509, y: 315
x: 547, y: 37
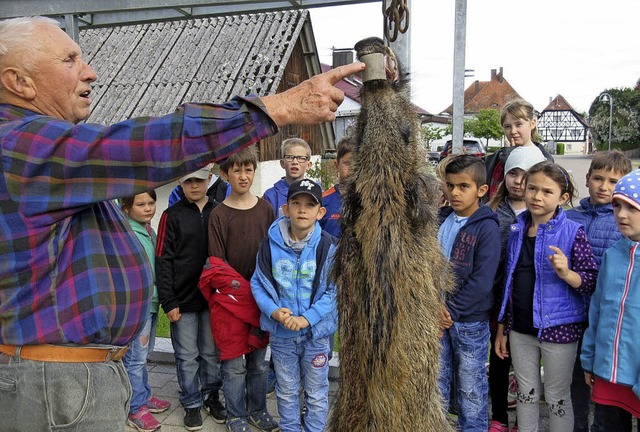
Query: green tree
x: 430, y: 133
x: 625, y: 133
x: 486, y: 124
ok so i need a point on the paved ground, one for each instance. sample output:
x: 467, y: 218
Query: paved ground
x: 164, y: 384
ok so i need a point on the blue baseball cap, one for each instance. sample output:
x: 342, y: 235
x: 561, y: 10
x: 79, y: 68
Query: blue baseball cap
x: 628, y: 189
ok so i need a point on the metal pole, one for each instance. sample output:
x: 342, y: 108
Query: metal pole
x: 610, y: 119
x: 606, y: 96
x: 459, y: 46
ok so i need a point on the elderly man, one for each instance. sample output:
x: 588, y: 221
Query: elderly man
x: 75, y: 283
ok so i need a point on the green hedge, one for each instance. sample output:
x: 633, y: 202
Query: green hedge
x: 560, y: 148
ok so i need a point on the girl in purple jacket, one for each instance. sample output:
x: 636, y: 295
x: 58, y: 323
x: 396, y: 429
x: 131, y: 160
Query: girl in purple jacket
x: 550, y: 271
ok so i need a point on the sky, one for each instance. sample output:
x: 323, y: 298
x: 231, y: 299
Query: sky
x: 576, y: 48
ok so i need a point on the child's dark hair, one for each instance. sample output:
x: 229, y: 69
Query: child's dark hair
x: 346, y: 145
x: 127, y: 202
x: 470, y: 164
x: 247, y: 156
x: 556, y: 173
x: 613, y: 160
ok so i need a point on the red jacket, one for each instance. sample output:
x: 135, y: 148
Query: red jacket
x: 235, y: 317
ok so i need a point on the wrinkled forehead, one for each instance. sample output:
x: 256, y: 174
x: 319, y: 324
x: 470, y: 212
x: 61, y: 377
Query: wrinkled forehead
x: 52, y: 39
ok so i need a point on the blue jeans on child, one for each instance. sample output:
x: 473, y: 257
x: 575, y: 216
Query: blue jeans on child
x: 463, y: 353
x: 245, y: 384
x: 135, y: 362
x: 301, y: 363
x: 197, y: 359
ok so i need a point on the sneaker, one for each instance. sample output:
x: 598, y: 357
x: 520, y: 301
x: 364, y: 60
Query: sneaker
x: 216, y: 409
x: 157, y: 406
x: 264, y: 422
x: 496, y: 426
x: 143, y: 421
x: 271, y: 382
x: 238, y: 424
x: 192, y: 419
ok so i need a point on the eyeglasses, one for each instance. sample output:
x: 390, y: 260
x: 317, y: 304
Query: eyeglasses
x: 300, y: 159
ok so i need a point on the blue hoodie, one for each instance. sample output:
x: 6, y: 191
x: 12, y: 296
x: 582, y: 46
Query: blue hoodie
x: 294, y: 275
x: 474, y: 260
x: 277, y: 195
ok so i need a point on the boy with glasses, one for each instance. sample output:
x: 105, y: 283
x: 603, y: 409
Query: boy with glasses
x: 296, y: 160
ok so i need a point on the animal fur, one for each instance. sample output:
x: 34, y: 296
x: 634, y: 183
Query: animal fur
x: 390, y: 271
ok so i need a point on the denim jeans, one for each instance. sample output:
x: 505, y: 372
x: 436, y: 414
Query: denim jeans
x: 558, y: 359
x: 301, y: 363
x: 197, y: 359
x: 464, y: 348
x: 69, y: 397
x: 245, y: 384
x: 135, y: 362
x: 612, y: 418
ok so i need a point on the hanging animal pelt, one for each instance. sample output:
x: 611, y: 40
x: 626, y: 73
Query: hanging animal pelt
x: 389, y: 268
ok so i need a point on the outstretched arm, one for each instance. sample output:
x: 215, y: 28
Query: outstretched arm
x: 312, y: 101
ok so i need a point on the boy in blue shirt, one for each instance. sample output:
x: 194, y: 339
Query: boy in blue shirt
x: 332, y: 198
x: 470, y: 238
x: 595, y: 213
x: 298, y: 304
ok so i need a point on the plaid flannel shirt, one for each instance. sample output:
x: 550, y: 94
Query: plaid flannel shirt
x: 71, y: 268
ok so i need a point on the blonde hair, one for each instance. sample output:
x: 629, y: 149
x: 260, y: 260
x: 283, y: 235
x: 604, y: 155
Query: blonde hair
x: 292, y: 142
x: 521, y: 109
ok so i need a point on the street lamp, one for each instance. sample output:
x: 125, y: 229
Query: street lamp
x: 604, y: 97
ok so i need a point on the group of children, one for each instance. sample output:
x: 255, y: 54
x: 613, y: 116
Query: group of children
x: 265, y: 281
x: 529, y: 276
x: 526, y: 271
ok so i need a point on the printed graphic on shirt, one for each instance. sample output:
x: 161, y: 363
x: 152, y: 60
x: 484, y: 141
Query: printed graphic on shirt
x: 292, y: 279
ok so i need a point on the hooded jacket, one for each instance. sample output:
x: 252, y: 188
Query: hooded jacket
x: 610, y: 346
x: 598, y: 223
x: 297, y: 286
x: 235, y: 317
x: 147, y: 237
x: 474, y: 260
x: 277, y: 195
x: 181, y: 252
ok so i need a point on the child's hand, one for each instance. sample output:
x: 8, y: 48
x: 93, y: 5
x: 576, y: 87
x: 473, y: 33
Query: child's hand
x: 281, y: 315
x: 588, y: 378
x: 445, y: 319
x: 296, y: 323
x: 559, y: 262
x: 174, y: 314
x: 501, y: 343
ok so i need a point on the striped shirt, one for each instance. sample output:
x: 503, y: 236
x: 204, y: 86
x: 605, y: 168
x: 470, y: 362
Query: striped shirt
x: 71, y: 268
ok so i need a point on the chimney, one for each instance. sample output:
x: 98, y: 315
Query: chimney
x: 342, y: 56
x: 477, y: 86
x: 493, y: 73
x: 500, y: 77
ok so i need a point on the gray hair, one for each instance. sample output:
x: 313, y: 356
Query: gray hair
x: 15, y: 36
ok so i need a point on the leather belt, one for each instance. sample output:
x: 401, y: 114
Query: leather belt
x: 65, y: 354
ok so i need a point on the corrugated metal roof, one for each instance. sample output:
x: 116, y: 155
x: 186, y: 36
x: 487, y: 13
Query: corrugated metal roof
x: 150, y: 69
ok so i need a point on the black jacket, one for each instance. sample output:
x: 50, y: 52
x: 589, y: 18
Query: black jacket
x: 181, y: 252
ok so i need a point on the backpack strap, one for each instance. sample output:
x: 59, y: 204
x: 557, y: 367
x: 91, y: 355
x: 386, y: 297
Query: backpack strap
x: 326, y: 241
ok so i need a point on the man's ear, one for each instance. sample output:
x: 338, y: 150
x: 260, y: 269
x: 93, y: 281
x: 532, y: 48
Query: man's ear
x: 17, y: 83
x: 224, y: 176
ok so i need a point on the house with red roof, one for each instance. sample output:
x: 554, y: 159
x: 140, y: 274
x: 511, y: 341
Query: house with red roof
x: 492, y: 94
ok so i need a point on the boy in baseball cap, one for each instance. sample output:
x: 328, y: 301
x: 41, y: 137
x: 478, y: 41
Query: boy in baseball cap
x: 298, y: 305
